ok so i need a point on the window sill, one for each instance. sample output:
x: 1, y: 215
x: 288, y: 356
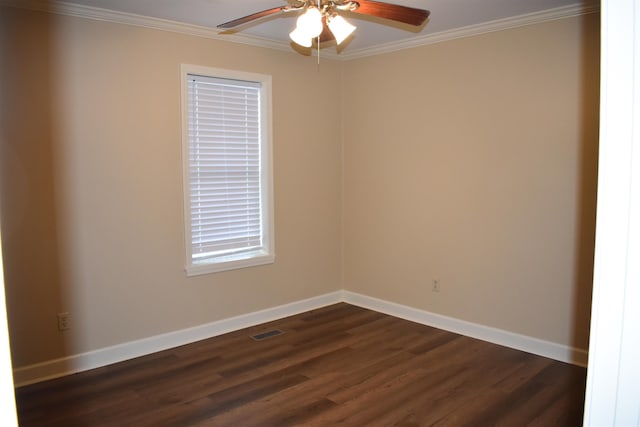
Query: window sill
x: 225, y: 265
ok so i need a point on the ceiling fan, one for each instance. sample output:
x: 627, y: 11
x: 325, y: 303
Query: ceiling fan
x: 321, y: 20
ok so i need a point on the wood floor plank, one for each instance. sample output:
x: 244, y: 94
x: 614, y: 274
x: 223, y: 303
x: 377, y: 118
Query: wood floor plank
x: 338, y: 365
x: 490, y: 365
x: 269, y: 410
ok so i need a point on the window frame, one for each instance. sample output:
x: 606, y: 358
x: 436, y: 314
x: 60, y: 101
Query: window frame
x: 265, y: 254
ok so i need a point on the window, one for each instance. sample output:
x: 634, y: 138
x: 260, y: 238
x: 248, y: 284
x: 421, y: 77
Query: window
x: 226, y: 144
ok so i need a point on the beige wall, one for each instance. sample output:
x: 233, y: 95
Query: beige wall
x: 92, y: 191
x: 474, y: 162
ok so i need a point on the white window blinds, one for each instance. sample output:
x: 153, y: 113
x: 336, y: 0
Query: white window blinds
x: 224, y: 132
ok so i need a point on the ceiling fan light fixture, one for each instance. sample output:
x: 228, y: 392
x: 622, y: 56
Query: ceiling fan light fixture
x: 340, y: 28
x: 321, y: 19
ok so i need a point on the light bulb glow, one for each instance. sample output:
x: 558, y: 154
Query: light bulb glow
x: 340, y: 28
x: 310, y: 22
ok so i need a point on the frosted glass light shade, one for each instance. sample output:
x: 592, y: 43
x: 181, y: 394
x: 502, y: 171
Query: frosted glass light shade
x: 310, y: 22
x: 340, y: 28
x: 308, y: 26
x: 299, y: 37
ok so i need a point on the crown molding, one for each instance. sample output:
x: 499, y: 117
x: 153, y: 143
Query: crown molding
x: 106, y: 15
x: 99, y: 14
x: 478, y: 29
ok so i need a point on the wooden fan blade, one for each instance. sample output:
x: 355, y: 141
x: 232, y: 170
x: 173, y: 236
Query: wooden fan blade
x: 394, y: 12
x: 251, y: 17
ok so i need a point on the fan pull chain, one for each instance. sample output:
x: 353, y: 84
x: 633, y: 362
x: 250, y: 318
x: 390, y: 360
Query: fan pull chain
x: 318, y: 44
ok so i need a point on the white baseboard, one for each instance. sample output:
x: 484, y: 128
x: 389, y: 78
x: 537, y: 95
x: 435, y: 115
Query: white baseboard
x: 537, y: 346
x: 118, y: 353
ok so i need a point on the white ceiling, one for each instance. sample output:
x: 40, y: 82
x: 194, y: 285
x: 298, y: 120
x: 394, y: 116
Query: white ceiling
x: 446, y: 15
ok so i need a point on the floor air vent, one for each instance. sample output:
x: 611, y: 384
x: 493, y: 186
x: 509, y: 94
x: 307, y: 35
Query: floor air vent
x: 267, y: 334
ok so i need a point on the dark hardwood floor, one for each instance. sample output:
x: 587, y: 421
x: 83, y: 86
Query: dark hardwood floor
x: 339, y: 365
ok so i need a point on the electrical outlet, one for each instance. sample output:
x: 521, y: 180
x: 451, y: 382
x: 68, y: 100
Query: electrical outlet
x: 64, y: 321
x: 435, y: 285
